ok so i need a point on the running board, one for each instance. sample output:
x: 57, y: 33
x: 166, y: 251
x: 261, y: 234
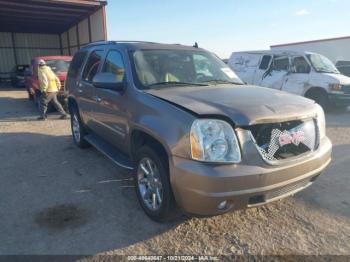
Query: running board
x: 109, y: 151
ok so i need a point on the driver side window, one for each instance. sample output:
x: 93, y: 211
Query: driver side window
x: 300, y: 65
x: 280, y: 64
x: 114, y: 64
x: 92, y: 65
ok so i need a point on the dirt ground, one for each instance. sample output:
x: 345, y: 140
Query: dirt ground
x: 58, y: 199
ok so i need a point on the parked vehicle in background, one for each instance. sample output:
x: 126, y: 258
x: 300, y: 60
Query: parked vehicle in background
x: 302, y: 73
x: 59, y: 65
x: 17, y: 75
x: 343, y: 67
x: 194, y: 134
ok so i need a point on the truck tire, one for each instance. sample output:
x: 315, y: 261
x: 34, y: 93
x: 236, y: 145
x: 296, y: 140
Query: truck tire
x: 78, y: 129
x: 152, y: 185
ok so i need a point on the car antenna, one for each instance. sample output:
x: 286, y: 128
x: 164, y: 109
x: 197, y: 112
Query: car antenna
x: 195, y: 45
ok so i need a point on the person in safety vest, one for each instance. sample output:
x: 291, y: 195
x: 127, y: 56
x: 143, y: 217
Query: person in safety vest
x: 49, y: 87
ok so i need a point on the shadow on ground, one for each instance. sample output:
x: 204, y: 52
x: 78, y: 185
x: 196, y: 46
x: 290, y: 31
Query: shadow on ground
x: 58, y: 199
x: 331, y: 190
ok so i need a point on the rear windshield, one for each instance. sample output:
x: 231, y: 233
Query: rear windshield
x: 58, y: 65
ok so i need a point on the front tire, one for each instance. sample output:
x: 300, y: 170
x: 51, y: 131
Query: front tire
x: 320, y: 98
x: 153, y: 186
x: 78, y: 129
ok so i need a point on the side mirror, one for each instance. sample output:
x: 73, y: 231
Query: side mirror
x: 108, y: 81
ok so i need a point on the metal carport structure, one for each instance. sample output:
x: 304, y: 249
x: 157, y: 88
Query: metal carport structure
x: 30, y: 28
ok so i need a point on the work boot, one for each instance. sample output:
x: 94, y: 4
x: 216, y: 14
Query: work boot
x: 43, y: 118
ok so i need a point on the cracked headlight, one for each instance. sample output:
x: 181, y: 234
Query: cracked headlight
x: 321, y: 121
x: 214, y: 141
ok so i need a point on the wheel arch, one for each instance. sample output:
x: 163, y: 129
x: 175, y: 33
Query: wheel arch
x: 139, y: 138
x: 313, y: 89
x: 72, y: 103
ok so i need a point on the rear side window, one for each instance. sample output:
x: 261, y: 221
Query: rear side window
x: 114, y: 64
x: 76, y: 64
x: 92, y: 65
x: 265, y: 62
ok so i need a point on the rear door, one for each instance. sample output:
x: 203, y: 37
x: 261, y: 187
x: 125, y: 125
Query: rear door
x: 245, y: 65
x: 111, y: 113
x: 86, y: 90
x: 275, y: 76
x: 264, y: 65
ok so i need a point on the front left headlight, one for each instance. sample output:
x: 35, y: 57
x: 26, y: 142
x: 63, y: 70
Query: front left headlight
x: 214, y: 141
x: 321, y: 121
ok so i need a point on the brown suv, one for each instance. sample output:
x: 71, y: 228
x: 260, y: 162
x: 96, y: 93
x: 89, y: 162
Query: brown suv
x: 194, y: 135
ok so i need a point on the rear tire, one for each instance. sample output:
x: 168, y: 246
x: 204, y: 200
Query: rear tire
x: 78, y: 129
x: 146, y: 185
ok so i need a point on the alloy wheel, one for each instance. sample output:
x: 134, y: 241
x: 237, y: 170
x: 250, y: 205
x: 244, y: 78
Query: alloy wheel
x: 76, y: 128
x: 149, y: 184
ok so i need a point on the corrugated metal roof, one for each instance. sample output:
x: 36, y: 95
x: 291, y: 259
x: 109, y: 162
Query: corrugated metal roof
x: 44, y: 16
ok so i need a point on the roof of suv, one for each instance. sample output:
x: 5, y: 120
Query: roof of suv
x: 138, y: 45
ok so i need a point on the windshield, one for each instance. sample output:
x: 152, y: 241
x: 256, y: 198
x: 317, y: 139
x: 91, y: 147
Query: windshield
x: 58, y: 65
x: 166, y: 68
x: 322, y: 64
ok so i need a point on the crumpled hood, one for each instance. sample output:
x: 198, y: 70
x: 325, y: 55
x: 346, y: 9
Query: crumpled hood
x: 244, y: 105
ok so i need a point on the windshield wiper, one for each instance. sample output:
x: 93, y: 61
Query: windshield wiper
x: 172, y: 83
x: 217, y: 81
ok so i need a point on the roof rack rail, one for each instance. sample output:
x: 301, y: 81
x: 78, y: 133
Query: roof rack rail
x: 132, y: 41
x: 103, y: 42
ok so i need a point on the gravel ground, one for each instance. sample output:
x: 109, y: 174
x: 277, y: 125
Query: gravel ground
x: 58, y: 199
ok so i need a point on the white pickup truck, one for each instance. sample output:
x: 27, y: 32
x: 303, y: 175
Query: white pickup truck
x: 303, y: 73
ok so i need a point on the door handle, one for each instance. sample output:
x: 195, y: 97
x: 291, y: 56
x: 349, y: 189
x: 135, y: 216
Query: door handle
x: 79, y: 91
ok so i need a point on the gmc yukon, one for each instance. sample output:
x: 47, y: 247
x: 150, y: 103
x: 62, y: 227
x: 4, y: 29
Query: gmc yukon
x: 194, y: 135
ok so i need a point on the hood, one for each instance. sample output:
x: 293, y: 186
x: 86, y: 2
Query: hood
x: 244, y: 105
x: 336, y: 79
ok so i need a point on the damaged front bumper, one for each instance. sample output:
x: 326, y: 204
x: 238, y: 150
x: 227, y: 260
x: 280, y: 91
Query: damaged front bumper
x: 205, y: 189
x: 339, y: 99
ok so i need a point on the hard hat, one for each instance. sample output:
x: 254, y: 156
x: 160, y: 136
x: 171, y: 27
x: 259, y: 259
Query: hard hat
x: 42, y: 62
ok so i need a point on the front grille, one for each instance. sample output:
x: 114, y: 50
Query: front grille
x: 62, y: 85
x: 280, y: 141
x: 278, y: 193
x: 285, y: 190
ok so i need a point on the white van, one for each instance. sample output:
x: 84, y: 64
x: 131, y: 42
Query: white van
x: 302, y: 73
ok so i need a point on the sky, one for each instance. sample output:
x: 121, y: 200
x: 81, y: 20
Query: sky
x: 224, y: 26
